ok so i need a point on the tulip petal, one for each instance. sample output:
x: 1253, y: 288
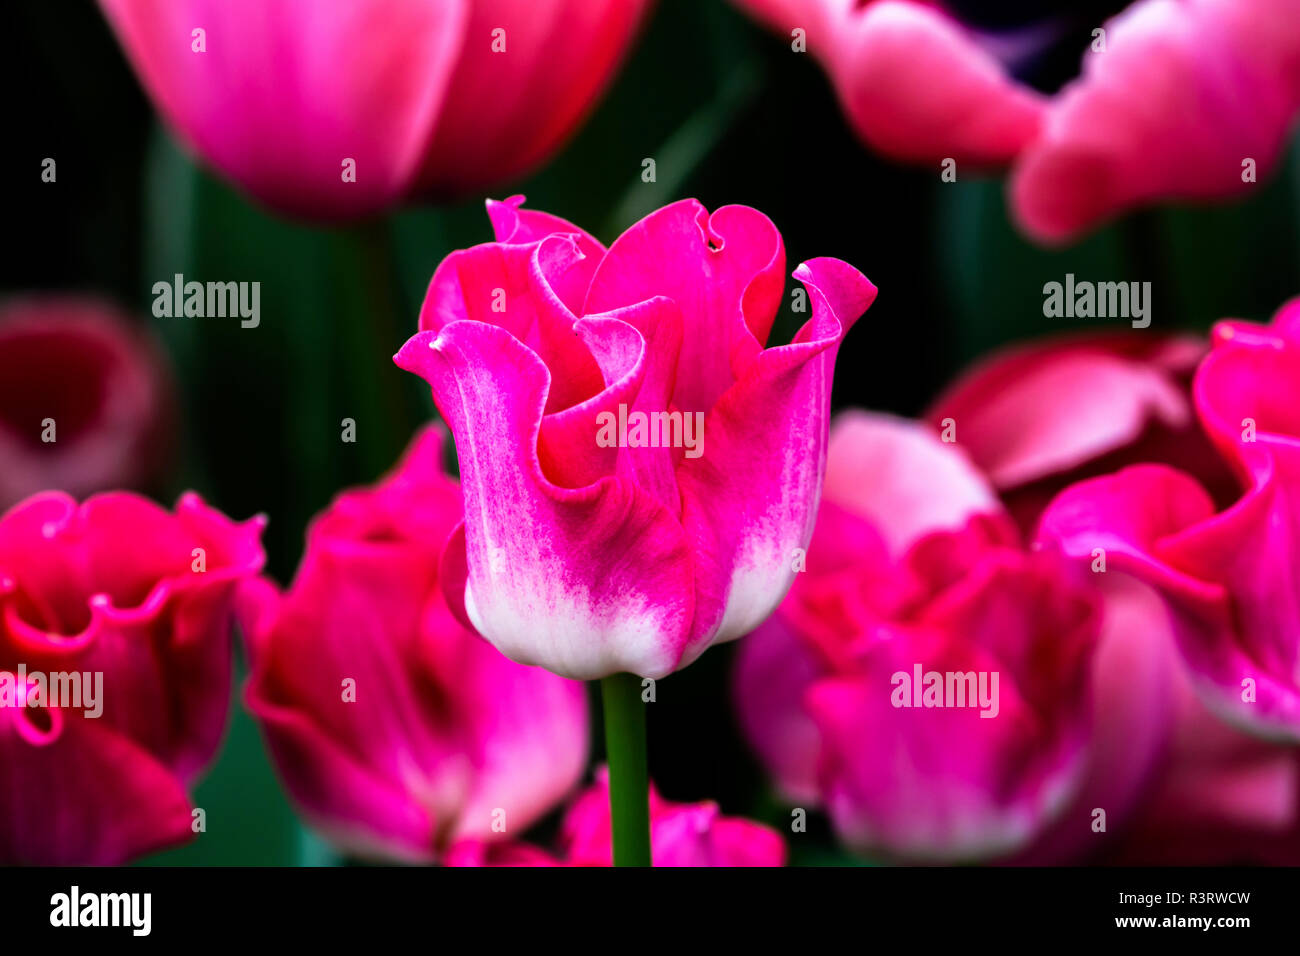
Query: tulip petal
x: 749, y: 501
x: 281, y: 96
x: 725, y: 271
x: 512, y: 102
x: 511, y: 223
x: 918, y: 87
x: 1182, y: 96
x: 902, y: 478
x: 584, y: 582
x: 87, y: 796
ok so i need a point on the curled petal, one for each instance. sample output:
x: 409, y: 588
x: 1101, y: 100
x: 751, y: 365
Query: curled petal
x: 585, y: 582
x: 750, y: 499
x: 725, y: 271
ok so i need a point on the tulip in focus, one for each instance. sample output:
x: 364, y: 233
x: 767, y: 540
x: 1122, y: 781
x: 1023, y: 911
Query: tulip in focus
x: 1162, y: 99
x: 395, y: 729
x: 593, y: 550
x: 1230, y: 576
x: 337, y: 110
x: 137, y: 602
x: 915, y: 569
x: 86, y: 399
x: 682, y: 834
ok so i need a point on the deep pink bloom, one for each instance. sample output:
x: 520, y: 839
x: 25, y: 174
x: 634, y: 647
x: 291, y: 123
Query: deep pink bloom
x: 422, y: 95
x: 914, y: 563
x: 77, y: 371
x: 1231, y: 577
x: 1037, y: 417
x: 395, y: 729
x: 681, y: 834
x: 120, y: 587
x: 590, y: 550
x: 1184, y: 92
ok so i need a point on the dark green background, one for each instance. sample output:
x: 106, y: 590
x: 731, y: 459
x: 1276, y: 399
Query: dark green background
x: 730, y: 114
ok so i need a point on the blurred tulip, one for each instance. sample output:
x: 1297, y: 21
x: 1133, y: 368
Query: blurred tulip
x: 1176, y: 99
x: 589, y: 547
x: 914, y: 566
x: 86, y: 400
x: 396, y: 730
x: 1230, y: 577
x: 134, y: 600
x: 1035, y: 418
x: 681, y: 834
x: 332, y: 111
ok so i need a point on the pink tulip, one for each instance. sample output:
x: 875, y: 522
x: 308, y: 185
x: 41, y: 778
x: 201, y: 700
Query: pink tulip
x: 1178, y: 99
x: 1036, y: 419
x: 681, y: 834
x: 1231, y: 576
x: 136, y: 601
x: 85, y: 399
x: 593, y: 545
x: 396, y: 730
x: 337, y: 110
x: 914, y: 566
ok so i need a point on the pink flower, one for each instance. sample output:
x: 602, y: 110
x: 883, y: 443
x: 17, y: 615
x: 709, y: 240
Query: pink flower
x: 681, y: 834
x: 338, y: 110
x: 1177, y: 99
x: 85, y: 399
x: 1036, y: 419
x: 638, y: 470
x: 136, y: 601
x: 1231, y: 576
x: 396, y: 730
x: 914, y: 570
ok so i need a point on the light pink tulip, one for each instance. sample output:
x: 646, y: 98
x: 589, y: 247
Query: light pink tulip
x: 86, y: 399
x: 396, y: 730
x: 421, y: 95
x: 915, y: 563
x: 1231, y: 576
x: 585, y: 549
x: 1183, y: 94
x: 121, y: 588
x: 681, y: 834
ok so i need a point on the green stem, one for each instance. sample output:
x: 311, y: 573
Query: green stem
x: 629, y: 782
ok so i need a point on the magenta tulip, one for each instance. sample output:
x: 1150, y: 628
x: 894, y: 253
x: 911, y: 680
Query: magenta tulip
x: 337, y: 110
x: 1229, y: 576
x: 114, y: 670
x: 682, y: 834
x: 396, y: 730
x: 1175, y: 99
x: 1035, y: 418
x: 86, y: 399
x: 926, y: 680
x: 639, y: 471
